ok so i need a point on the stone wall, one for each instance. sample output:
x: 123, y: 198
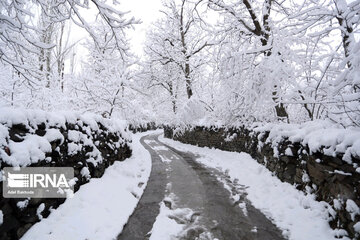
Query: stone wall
x: 329, y: 177
x: 144, y: 127
x: 97, y: 147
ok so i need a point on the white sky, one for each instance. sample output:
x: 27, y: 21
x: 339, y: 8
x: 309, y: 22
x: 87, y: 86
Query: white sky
x: 145, y: 10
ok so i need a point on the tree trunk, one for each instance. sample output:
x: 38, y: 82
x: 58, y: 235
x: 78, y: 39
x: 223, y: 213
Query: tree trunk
x: 184, y: 51
x: 60, y: 59
x: 188, y: 81
x: 279, y: 107
x: 173, y: 96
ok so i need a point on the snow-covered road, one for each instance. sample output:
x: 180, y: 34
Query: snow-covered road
x: 298, y: 215
x: 190, y: 193
x: 100, y: 209
x: 194, y: 204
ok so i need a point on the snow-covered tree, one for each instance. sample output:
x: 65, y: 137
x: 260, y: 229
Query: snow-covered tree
x: 286, y: 59
x: 168, y: 77
x: 251, y: 46
x: 34, y: 41
x: 333, y: 89
x: 106, y: 74
x: 177, y: 39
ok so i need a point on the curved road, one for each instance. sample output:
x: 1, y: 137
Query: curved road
x: 187, y: 184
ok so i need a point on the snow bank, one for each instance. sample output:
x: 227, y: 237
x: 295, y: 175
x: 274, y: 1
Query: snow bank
x: 316, y: 135
x: 297, y: 154
x: 86, y: 142
x: 172, y: 229
x: 100, y: 209
x: 299, y: 215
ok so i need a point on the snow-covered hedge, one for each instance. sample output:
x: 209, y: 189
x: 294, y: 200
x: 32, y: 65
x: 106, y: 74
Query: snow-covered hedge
x: 143, y: 127
x: 89, y: 143
x: 318, y: 157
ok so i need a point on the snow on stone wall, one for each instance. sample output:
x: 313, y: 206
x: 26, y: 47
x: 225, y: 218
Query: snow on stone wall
x: 317, y: 157
x: 89, y: 143
x: 324, y: 136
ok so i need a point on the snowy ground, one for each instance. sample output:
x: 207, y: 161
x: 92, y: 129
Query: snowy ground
x: 178, y: 221
x: 100, y: 209
x: 182, y: 211
x: 171, y: 219
x: 299, y: 216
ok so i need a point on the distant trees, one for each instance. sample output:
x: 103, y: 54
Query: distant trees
x: 106, y: 73
x: 168, y: 77
x: 178, y: 41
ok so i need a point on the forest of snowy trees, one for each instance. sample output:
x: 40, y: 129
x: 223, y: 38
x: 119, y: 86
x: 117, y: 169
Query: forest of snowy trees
x: 205, y: 61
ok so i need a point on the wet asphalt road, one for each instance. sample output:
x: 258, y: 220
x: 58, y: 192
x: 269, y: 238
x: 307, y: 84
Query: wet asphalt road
x: 200, y: 189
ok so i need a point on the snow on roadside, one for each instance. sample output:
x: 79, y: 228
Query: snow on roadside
x: 101, y: 208
x: 299, y: 216
x: 176, y: 223
x: 164, y: 226
x: 316, y: 134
